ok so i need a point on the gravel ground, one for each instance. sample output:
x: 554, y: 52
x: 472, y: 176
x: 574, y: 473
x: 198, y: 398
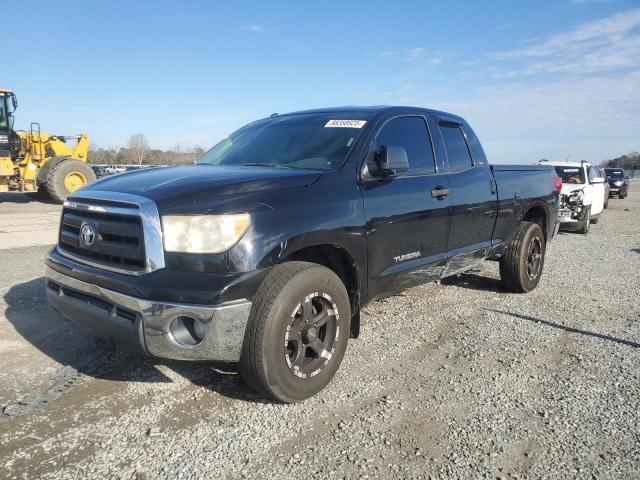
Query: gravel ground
x: 458, y: 380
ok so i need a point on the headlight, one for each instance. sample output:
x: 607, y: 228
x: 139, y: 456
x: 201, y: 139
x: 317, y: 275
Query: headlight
x: 618, y: 183
x: 203, y: 233
x: 576, y: 196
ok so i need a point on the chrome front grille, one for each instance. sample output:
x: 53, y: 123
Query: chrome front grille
x: 113, y: 231
x: 118, y: 241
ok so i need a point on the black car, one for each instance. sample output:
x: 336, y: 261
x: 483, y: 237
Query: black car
x: 265, y: 251
x: 618, y: 182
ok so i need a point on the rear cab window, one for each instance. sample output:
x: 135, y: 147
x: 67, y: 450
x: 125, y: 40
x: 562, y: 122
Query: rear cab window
x: 458, y: 154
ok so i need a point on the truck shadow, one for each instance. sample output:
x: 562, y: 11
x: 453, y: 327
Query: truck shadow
x: 579, y: 331
x: 85, y: 353
x: 474, y: 281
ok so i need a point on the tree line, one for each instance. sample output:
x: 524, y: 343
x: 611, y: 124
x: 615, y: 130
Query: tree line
x: 630, y: 161
x: 138, y: 152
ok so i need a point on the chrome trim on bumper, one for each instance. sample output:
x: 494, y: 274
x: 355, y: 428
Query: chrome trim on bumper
x: 223, y: 326
x: 141, y: 207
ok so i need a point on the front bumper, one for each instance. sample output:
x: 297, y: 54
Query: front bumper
x: 152, y: 326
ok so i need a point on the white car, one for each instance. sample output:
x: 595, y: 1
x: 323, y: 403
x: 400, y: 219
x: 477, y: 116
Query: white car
x: 582, y: 195
x: 113, y: 169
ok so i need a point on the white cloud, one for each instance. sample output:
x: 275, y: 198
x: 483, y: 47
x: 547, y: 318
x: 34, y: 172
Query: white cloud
x: 255, y: 28
x: 416, y: 55
x: 593, y: 119
x: 585, y: 102
x: 582, y: 2
x: 604, y: 45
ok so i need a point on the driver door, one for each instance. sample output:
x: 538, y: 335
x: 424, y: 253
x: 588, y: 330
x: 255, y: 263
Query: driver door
x: 408, y: 215
x: 596, y: 185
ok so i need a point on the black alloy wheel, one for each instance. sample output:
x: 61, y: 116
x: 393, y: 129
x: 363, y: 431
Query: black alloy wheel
x: 311, y: 335
x: 534, y: 258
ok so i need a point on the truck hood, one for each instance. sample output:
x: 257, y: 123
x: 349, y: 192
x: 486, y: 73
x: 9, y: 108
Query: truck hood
x: 202, y: 187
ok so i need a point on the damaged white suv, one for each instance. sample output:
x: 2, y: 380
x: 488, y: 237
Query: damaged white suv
x: 582, y: 195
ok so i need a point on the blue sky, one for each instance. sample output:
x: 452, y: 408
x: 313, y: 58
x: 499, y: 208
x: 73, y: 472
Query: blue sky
x: 551, y: 79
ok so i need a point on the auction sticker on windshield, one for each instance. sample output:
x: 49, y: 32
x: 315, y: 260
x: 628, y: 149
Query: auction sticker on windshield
x: 345, y: 123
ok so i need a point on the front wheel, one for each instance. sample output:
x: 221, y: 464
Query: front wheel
x: 586, y: 222
x: 522, y: 263
x: 297, y: 332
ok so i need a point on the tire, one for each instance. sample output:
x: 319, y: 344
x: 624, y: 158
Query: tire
x: 584, y: 229
x: 606, y: 203
x: 57, y: 182
x: 290, y: 371
x: 595, y: 220
x: 522, y: 264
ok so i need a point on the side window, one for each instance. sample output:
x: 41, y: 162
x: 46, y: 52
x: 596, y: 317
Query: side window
x: 593, y: 173
x: 456, y: 146
x: 411, y: 134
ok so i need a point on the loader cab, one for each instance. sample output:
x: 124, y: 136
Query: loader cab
x: 8, y: 104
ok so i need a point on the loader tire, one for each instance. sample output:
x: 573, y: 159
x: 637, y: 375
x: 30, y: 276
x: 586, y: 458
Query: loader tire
x: 522, y: 263
x: 66, y: 177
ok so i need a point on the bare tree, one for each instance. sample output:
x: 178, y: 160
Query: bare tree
x: 179, y: 153
x: 138, y: 147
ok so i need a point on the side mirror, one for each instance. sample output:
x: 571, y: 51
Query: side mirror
x: 390, y: 160
x: 598, y: 180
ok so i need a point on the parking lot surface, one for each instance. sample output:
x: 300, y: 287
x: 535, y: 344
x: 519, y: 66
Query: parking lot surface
x: 454, y: 380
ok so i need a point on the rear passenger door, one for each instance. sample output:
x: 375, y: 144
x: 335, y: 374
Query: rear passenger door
x: 473, y: 197
x: 407, y: 224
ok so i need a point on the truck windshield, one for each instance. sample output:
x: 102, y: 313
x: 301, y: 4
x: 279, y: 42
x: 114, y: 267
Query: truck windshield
x: 571, y: 174
x: 615, y: 174
x: 319, y: 141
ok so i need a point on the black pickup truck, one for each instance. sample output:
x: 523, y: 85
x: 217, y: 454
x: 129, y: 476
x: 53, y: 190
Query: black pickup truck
x: 265, y: 251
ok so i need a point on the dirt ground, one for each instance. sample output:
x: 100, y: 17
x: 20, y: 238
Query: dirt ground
x: 458, y: 380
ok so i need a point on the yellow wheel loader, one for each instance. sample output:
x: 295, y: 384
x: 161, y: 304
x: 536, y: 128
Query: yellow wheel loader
x: 38, y: 162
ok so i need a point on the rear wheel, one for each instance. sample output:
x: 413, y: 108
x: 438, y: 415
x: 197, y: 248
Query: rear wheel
x: 521, y: 265
x: 66, y: 177
x: 297, y: 332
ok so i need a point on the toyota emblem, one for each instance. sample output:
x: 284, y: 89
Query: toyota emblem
x: 87, y: 235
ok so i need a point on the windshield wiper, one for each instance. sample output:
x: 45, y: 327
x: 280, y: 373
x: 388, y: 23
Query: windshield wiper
x: 268, y: 165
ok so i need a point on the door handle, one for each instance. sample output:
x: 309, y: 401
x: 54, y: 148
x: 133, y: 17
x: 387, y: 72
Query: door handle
x: 439, y: 192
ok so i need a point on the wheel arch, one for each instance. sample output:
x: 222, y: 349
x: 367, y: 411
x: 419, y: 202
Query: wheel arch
x: 537, y: 214
x: 337, y: 259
